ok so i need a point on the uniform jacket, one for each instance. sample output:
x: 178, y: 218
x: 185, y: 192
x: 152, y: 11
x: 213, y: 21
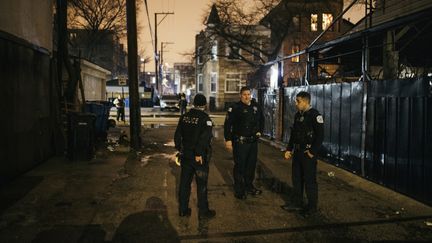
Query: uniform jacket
x: 243, y: 120
x: 308, y: 129
x: 194, y: 132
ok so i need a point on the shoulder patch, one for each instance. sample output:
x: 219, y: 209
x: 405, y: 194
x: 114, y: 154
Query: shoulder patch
x: 320, y: 119
x: 209, y: 123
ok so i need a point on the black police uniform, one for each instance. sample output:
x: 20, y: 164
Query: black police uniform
x: 193, y: 138
x: 307, y: 133
x: 242, y: 124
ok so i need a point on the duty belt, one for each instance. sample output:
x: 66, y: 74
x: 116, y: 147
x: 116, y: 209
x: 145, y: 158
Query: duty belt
x: 302, y: 146
x: 245, y: 139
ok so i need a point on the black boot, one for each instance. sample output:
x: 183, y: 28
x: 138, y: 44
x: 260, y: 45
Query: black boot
x: 208, y: 214
x: 254, y: 191
x: 186, y: 213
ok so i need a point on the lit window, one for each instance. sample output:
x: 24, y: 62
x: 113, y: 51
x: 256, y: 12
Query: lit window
x: 314, y: 22
x: 232, y: 83
x: 295, y: 49
x: 213, y: 82
x: 327, y: 20
x: 200, y: 83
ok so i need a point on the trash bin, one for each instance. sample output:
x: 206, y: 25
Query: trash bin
x: 81, y: 136
x: 101, y: 110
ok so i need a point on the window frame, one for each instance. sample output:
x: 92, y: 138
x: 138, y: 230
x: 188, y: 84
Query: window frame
x: 294, y: 49
x: 200, y: 77
x: 214, y: 51
x: 297, y: 26
x: 257, y: 54
x: 232, y: 80
x: 312, y: 15
x: 229, y: 50
x: 213, y: 81
x: 323, y: 23
x: 199, y: 55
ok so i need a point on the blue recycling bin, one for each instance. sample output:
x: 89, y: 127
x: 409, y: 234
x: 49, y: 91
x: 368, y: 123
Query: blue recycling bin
x: 101, y: 110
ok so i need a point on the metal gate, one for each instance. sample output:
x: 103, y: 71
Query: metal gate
x: 269, y: 106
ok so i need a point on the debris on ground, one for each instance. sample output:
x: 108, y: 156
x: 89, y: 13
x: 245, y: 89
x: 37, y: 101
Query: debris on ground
x: 331, y: 174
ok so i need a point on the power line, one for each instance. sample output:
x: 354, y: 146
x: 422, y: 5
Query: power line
x: 149, y: 23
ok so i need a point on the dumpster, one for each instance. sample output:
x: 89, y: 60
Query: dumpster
x: 101, y: 110
x: 81, y: 136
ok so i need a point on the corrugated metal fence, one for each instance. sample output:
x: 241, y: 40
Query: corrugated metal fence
x: 28, y: 119
x: 397, y: 144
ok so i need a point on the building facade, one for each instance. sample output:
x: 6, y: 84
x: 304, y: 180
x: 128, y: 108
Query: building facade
x: 223, y: 66
x: 184, y: 78
x: 94, y: 81
x: 101, y: 47
x: 301, y: 21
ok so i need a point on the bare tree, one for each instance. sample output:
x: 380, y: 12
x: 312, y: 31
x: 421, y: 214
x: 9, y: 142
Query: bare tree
x: 237, y: 25
x: 98, y: 15
x: 240, y: 26
x: 99, y: 21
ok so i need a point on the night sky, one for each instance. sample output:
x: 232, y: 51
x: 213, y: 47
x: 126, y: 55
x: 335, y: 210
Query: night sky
x: 182, y: 27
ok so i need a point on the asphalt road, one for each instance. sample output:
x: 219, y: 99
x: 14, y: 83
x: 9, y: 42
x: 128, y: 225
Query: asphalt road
x: 123, y: 196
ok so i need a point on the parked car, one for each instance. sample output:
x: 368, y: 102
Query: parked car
x: 169, y: 102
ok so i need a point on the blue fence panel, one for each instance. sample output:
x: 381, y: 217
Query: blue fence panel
x: 398, y: 131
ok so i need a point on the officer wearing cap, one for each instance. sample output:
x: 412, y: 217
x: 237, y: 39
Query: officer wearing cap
x: 243, y: 126
x: 307, y: 134
x: 193, y: 139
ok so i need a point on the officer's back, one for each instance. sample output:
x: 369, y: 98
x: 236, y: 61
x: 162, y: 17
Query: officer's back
x: 194, y: 131
x: 191, y: 125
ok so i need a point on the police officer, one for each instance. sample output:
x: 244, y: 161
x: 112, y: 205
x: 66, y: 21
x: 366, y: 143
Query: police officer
x: 307, y: 134
x: 243, y: 126
x: 193, y: 139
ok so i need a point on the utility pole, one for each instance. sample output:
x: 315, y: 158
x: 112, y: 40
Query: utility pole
x: 134, y: 108
x: 162, y: 59
x: 163, y: 44
x: 157, y: 57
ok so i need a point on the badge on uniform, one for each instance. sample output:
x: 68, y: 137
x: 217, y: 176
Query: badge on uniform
x: 301, y: 119
x: 230, y: 109
x: 209, y: 123
x: 255, y: 109
x: 320, y: 119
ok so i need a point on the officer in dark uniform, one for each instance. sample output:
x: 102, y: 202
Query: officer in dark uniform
x: 243, y: 126
x: 307, y: 134
x: 193, y: 139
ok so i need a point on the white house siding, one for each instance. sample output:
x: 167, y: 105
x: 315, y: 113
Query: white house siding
x: 94, y: 81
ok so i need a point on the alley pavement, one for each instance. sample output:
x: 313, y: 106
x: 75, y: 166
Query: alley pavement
x: 123, y: 196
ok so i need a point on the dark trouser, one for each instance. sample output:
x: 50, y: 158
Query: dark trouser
x: 121, y: 114
x: 189, y: 168
x: 182, y: 110
x: 304, y: 177
x: 245, y: 159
